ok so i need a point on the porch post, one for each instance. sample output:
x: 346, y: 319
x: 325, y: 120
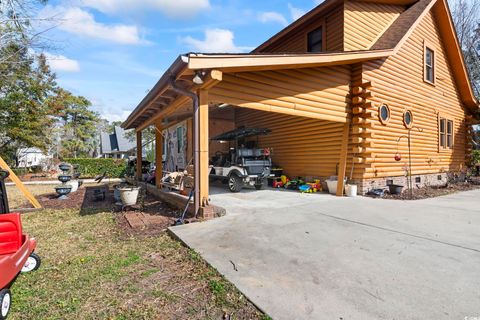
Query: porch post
x: 343, y: 158
x: 189, y: 141
x: 139, y: 155
x: 158, y: 154
x: 201, y: 151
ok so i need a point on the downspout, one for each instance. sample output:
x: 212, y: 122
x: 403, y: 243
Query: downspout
x: 196, y: 143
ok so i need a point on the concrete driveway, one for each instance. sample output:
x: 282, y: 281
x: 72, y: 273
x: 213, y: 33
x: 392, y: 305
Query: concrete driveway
x: 315, y: 256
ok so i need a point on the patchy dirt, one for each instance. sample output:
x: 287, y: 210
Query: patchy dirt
x: 83, y: 199
x: 40, y: 176
x: 162, y: 214
x: 432, y: 192
x: 91, y: 271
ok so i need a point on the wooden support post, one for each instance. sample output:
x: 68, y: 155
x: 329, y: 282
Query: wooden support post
x: 158, y: 154
x: 343, y: 159
x: 189, y: 140
x: 202, y: 153
x: 139, y: 155
x: 20, y: 185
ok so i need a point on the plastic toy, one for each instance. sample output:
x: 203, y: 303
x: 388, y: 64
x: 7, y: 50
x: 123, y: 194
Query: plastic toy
x: 305, y: 188
x: 277, y: 183
x: 16, y: 250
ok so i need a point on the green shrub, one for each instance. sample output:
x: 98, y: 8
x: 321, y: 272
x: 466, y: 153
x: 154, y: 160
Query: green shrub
x: 20, y: 171
x: 475, y: 157
x: 90, y: 168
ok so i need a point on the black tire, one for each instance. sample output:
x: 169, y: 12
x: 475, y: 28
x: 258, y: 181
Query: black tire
x: 5, y: 303
x: 35, y: 260
x: 235, y: 183
x: 259, y: 186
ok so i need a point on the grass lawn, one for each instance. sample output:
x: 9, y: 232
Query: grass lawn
x: 91, y: 269
x: 16, y: 199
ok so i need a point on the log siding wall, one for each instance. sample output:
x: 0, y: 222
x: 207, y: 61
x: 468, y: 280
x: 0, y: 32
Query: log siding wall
x: 301, y: 146
x: 320, y: 93
x: 398, y: 82
x: 365, y: 22
x: 296, y: 41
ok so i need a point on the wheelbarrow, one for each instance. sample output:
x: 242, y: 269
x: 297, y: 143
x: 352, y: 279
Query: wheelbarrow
x: 16, y: 250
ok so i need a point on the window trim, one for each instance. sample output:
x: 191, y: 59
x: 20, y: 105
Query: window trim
x: 324, y: 36
x: 449, y: 135
x: 380, y: 113
x: 429, y: 46
x: 408, y: 126
x: 446, y: 147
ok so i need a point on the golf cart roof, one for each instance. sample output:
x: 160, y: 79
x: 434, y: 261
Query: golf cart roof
x: 241, y: 133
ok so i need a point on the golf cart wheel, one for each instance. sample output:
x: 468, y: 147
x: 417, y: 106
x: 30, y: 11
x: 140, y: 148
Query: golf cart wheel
x: 5, y: 303
x: 235, y: 183
x: 33, y: 263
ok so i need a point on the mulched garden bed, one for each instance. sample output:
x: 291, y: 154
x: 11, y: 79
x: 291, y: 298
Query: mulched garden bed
x: 156, y: 216
x: 433, y: 191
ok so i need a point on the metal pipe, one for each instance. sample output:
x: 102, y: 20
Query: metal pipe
x: 196, y: 138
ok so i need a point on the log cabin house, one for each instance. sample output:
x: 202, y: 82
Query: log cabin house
x: 338, y: 88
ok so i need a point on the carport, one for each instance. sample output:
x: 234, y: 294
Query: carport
x: 304, y: 99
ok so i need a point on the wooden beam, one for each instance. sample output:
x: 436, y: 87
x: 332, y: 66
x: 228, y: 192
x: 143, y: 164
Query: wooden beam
x: 158, y: 154
x: 20, y: 185
x: 139, y: 155
x: 212, y: 79
x: 164, y: 112
x: 189, y: 140
x: 343, y: 159
x: 201, y: 173
x: 280, y: 61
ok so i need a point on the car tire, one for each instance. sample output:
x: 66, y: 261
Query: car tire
x: 259, y: 186
x: 235, y: 183
x: 5, y: 303
x: 33, y: 263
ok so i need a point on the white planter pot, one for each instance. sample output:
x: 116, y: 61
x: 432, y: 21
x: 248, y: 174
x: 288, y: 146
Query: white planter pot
x: 129, y: 195
x: 351, y: 190
x: 332, y: 186
x: 74, y: 184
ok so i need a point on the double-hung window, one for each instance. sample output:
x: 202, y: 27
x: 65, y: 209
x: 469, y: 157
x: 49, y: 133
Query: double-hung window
x: 445, y: 133
x: 429, y: 65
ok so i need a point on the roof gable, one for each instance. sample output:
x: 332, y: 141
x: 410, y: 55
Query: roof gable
x: 402, y: 28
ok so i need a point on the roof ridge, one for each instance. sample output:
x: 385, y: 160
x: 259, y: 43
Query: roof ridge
x: 402, y: 25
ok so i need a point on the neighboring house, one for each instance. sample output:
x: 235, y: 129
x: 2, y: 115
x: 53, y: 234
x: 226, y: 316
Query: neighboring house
x: 32, y: 157
x: 340, y: 89
x: 115, y: 145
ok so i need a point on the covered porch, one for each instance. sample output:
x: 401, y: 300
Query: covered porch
x: 304, y: 100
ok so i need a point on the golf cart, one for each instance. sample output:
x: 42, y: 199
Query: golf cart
x: 16, y: 249
x: 244, y: 164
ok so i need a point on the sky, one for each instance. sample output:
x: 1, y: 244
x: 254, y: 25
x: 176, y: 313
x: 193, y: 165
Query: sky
x: 113, y: 51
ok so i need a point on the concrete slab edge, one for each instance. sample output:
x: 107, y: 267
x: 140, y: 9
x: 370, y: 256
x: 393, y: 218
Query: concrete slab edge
x: 174, y: 236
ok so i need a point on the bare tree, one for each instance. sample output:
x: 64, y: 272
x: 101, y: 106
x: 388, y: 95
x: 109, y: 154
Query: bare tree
x: 466, y: 17
x: 17, y: 19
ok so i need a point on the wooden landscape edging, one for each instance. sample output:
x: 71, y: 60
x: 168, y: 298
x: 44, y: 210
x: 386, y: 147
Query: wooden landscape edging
x: 20, y: 185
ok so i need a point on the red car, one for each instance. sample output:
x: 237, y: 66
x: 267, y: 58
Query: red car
x: 16, y: 250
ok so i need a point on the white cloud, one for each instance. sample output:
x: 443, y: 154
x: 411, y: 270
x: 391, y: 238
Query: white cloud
x: 216, y: 40
x: 171, y: 8
x: 114, y: 115
x: 296, y: 13
x: 78, y: 21
x: 62, y: 63
x: 272, y: 16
